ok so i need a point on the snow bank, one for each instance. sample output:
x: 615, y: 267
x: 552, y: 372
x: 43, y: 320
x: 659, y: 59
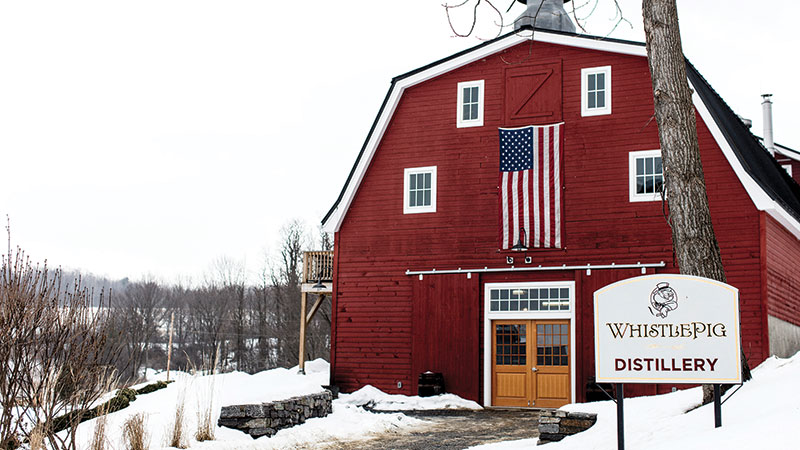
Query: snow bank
x: 763, y: 414
x: 380, y: 401
x: 346, y: 422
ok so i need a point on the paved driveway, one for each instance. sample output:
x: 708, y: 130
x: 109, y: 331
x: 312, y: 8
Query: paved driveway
x: 455, y: 430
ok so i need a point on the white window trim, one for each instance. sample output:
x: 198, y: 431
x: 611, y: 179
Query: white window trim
x: 419, y: 209
x: 585, y: 110
x: 525, y: 315
x: 787, y: 168
x: 634, y: 197
x: 460, y: 122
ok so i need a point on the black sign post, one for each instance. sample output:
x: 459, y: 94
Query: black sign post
x: 717, y: 406
x: 620, y: 418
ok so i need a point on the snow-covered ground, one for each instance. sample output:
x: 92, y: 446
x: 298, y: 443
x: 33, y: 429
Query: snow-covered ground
x: 347, y: 422
x: 764, y: 414
x: 378, y: 400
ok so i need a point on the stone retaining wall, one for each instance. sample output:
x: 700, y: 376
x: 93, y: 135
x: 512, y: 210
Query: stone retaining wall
x: 555, y: 425
x: 265, y: 419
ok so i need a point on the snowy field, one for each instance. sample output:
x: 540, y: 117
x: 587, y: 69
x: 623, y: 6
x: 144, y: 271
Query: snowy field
x: 763, y: 414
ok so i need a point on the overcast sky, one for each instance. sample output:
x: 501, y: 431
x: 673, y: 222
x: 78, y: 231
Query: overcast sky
x: 151, y: 137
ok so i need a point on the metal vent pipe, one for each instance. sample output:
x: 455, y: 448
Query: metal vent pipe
x: 766, y: 109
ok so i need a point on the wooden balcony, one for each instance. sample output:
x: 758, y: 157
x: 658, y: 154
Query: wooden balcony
x: 317, y: 279
x: 318, y: 268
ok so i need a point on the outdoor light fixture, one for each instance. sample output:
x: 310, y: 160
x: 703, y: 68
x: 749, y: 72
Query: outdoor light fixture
x: 319, y: 285
x: 519, y: 247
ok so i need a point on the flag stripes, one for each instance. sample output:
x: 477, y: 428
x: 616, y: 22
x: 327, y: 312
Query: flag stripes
x: 530, y: 186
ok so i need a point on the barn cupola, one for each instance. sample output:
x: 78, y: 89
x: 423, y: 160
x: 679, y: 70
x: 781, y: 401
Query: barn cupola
x: 547, y: 14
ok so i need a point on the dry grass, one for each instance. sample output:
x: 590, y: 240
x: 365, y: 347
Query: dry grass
x: 205, y: 411
x: 36, y: 438
x: 99, y: 437
x: 135, y: 432
x: 176, y: 435
x: 205, y: 427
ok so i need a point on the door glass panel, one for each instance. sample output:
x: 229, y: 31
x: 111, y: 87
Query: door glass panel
x: 510, y: 345
x: 552, y: 345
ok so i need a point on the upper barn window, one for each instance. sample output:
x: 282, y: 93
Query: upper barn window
x: 470, y: 104
x: 596, y: 91
x: 419, y: 190
x: 646, y: 179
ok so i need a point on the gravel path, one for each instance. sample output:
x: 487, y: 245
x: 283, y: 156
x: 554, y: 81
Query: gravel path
x: 455, y: 430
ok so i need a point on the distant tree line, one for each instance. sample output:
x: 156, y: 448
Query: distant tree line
x: 224, y: 321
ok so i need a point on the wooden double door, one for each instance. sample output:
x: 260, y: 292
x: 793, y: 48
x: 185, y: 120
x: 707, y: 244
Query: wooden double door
x: 531, y: 363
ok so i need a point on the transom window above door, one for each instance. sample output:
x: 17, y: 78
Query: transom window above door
x: 529, y: 299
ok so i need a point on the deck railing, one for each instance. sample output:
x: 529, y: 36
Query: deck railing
x: 317, y: 266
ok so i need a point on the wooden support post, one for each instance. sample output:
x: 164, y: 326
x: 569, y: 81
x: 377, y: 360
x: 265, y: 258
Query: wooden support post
x: 317, y: 304
x: 169, y: 346
x: 302, y: 357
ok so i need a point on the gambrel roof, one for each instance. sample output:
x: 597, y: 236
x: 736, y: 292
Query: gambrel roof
x: 770, y: 188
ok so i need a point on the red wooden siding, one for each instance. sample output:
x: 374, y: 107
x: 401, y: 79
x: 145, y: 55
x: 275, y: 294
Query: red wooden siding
x: 446, y: 315
x: 783, y: 272
x: 381, y: 321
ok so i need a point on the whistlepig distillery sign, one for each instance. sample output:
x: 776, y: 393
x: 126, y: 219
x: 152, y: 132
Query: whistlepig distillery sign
x: 667, y: 329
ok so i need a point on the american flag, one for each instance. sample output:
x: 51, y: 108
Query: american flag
x: 530, y: 186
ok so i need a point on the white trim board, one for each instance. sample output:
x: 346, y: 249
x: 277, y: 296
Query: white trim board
x: 488, y: 316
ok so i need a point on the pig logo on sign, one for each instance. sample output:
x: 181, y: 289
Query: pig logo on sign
x: 663, y: 299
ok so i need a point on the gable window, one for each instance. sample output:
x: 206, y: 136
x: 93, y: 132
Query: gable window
x: 419, y: 191
x: 596, y: 91
x: 646, y: 179
x: 470, y: 104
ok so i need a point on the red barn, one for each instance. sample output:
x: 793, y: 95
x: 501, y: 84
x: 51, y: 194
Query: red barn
x: 425, y: 276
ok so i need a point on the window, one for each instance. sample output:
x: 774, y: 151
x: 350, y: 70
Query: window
x: 470, y: 104
x: 788, y: 169
x: 646, y: 176
x: 596, y: 91
x: 419, y: 190
x: 529, y: 299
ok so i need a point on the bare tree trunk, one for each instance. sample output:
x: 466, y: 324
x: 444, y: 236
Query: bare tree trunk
x: 696, y: 248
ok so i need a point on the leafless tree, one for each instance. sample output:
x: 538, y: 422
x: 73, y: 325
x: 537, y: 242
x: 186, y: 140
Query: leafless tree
x: 209, y: 323
x: 263, y: 301
x: 285, y: 278
x: 228, y: 277
x: 142, y: 310
x: 696, y: 248
x: 56, y: 352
